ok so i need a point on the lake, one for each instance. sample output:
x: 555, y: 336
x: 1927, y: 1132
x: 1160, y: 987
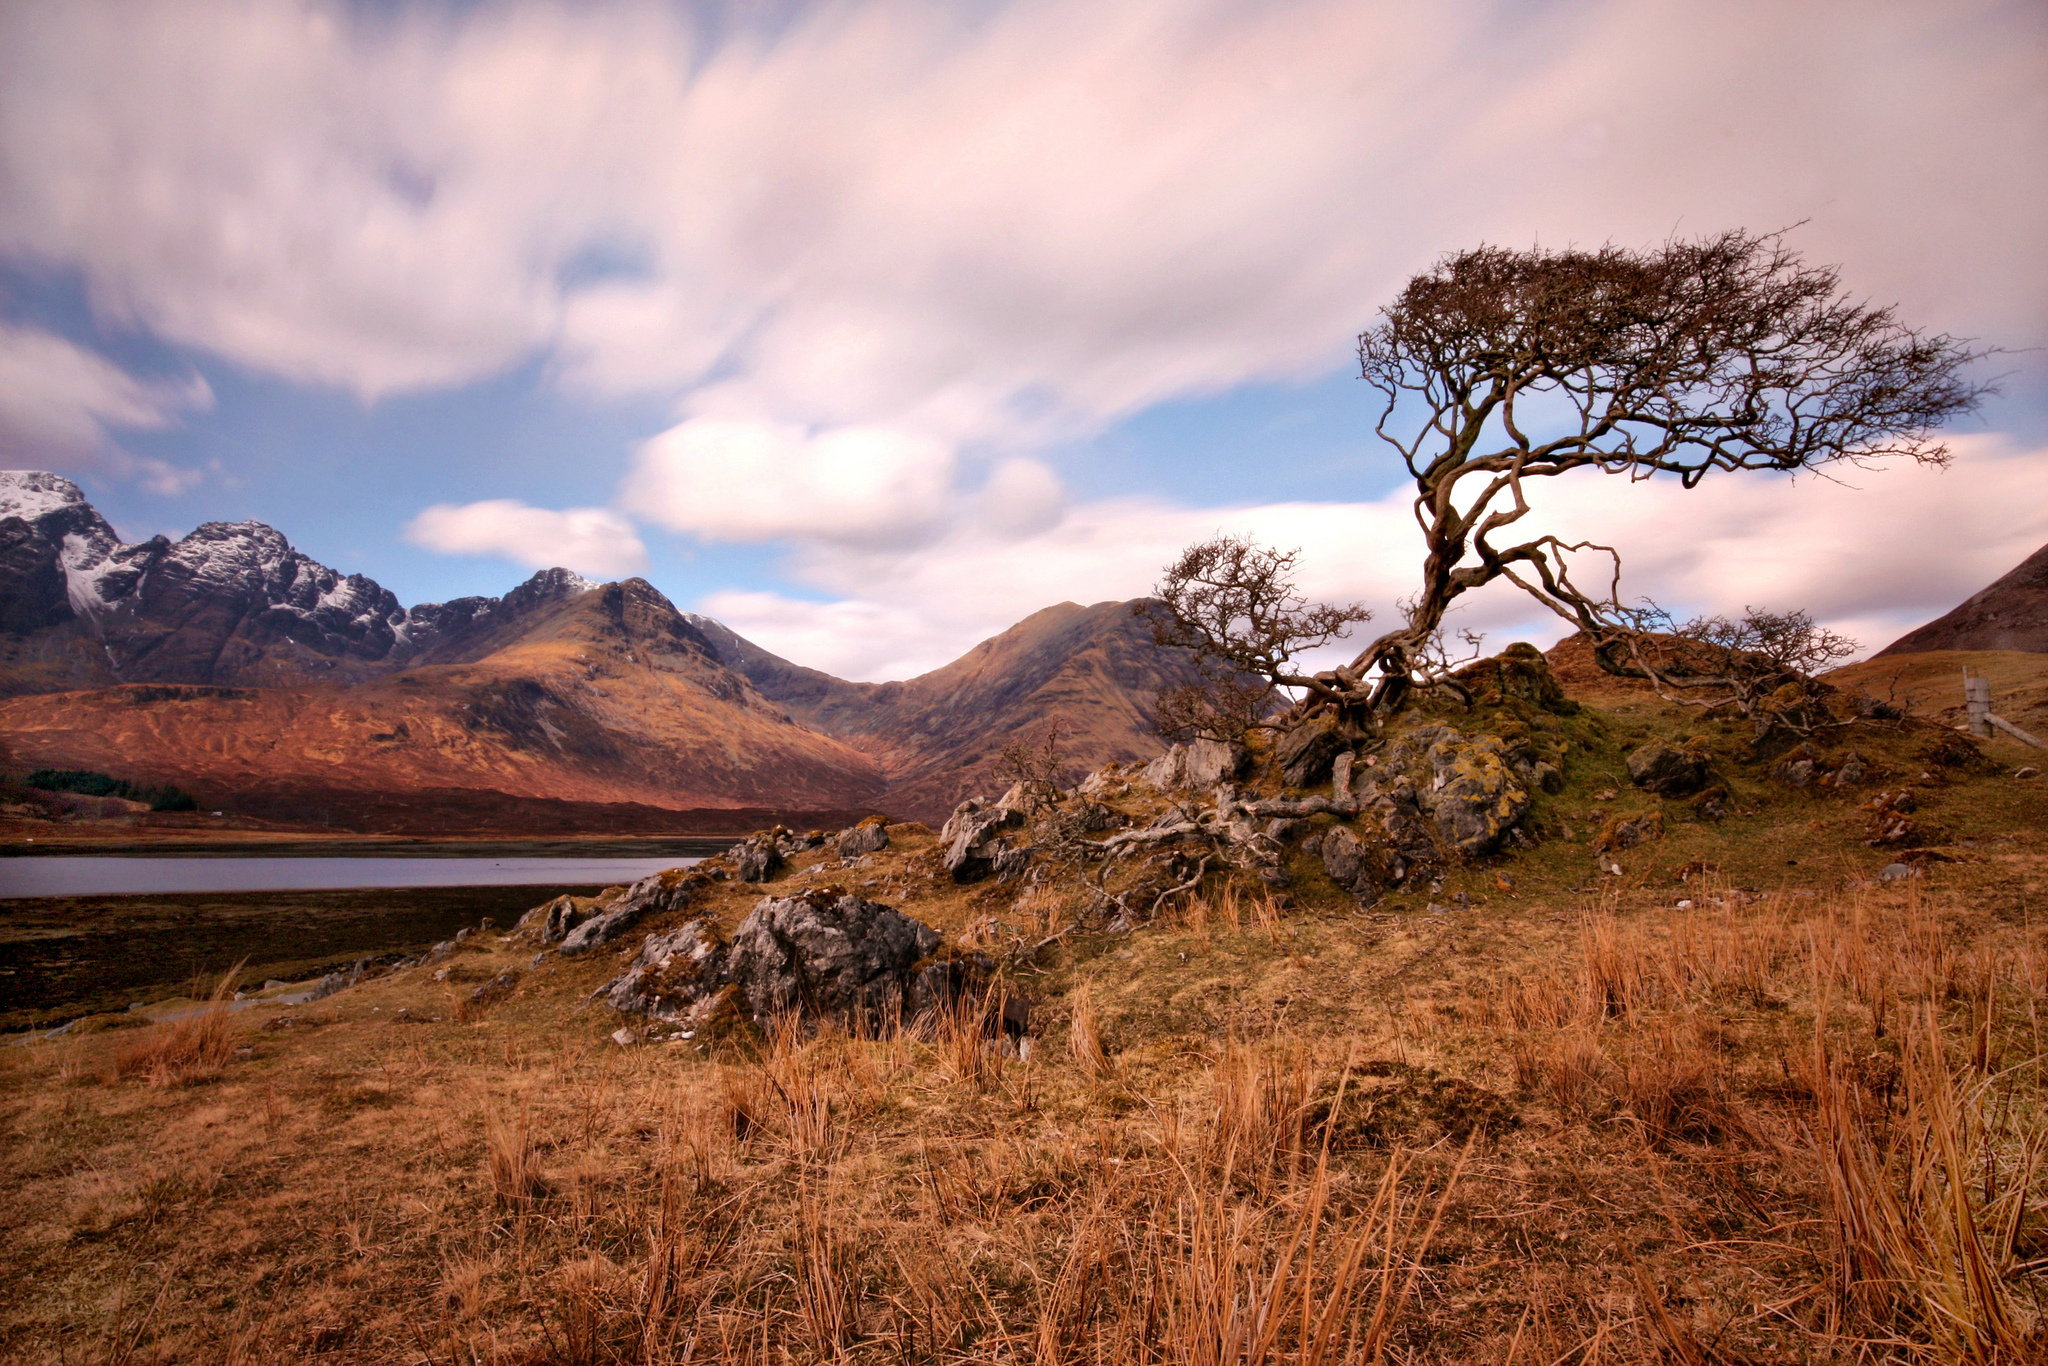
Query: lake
x: 59, y: 875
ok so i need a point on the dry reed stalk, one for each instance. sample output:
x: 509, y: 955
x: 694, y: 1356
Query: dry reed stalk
x: 1909, y: 1210
x: 965, y: 1031
x: 791, y: 1067
x: 514, y: 1161
x: 1084, y: 1039
x: 1260, y: 1101
x: 192, y: 1047
x: 826, y: 1280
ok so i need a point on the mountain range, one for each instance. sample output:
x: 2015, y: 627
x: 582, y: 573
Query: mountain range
x: 257, y: 678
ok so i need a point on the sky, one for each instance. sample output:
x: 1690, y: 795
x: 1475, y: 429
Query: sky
x: 871, y: 327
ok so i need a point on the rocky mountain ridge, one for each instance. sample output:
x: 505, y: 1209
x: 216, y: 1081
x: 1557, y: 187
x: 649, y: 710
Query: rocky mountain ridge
x: 235, y: 666
x: 231, y: 604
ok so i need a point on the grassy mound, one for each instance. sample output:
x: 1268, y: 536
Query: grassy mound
x: 1740, y: 1101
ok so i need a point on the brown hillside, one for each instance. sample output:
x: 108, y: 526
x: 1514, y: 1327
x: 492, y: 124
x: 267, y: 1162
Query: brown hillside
x: 935, y: 736
x: 2011, y: 614
x: 606, y: 696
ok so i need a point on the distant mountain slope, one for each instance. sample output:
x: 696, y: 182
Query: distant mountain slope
x: 606, y: 695
x: 936, y: 735
x: 2011, y: 614
x: 232, y: 665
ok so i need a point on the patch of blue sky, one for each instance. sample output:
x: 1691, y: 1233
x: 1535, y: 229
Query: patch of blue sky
x: 1256, y: 443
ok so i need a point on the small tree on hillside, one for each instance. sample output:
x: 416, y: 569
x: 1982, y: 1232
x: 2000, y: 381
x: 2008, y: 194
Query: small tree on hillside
x: 1497, y: 367
x: 1232, y: 604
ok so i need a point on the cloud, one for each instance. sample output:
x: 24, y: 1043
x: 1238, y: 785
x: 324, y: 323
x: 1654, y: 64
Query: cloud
x: 1874, y: 556
x: 593, y: 541
x: 61, y: 406
x: 984, y: 223
x: 755, y: 481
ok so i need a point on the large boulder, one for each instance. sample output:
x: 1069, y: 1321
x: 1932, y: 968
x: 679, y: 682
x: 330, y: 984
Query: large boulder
x: 1350, y: 864
x: 756, y: 858
x: 681, y: 975
x: 870, y: 836
x: 820, y: 954
x: 551, y: 921
x: 1168, y: 773
x: 1467, y: 784
x: 1306, y: 752
x: 665, y: 891
x: 1667, y: 770
x: 1210, y: 762
x: 974, y: 842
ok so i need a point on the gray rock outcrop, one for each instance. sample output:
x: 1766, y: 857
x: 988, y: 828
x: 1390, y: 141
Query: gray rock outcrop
x: 870, y: 836
x: 1305, y: 753
x: 975, y: 841
x: 665, y: 891
x: 1467, y: 784
x: 1667, y: 770
x: 824, y: 954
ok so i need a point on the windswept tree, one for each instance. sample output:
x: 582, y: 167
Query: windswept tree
x: 1233, y: 605
x: 1693, y: 359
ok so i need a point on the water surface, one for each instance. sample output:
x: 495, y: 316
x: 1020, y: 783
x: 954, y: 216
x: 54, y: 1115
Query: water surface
x: 69, y: 875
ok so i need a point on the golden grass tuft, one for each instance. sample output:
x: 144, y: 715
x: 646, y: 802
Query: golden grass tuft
x: 191, y: 1047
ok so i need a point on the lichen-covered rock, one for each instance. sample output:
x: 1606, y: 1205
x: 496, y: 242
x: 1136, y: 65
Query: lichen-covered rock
x: 665, y: 891
x: 870, y: 836
x: 1306, y: 752
x: 756, y: 858
x: 1210, y: 762
x: 974, y: 844
x: 551, y: 921
x: 1167, y: 773
x: 1467, y: 783
x: 1350, y: 864
x: 1667, y: 770
x: 818, y: 954
x: 680, y: 975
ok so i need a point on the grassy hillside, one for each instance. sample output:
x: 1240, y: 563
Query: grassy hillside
x: 1741, y: 1101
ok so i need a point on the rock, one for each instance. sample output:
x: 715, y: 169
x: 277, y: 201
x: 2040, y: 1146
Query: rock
x: 1467, y: 783
x: 1340, y: 775
x: 665, y: 891
x: 870, y: 836
x: 757, y: 858
x: 677, y: 976
x: 1210, y: 762
x: 1167, y: 773
x: 1853, y: 770
x: 552, y: 920
x: 1621, y: 834
x: 1897, y: 872
x: 1667, y: 770
x: 1798, y: 768
x: 495, y: 990
x: 817, y: 955
x: 623, y: 1037
x: 1107, y: 781
x: 1349, y: 864
x: 973, y: 845
x: 1547, y: 776
x: 1306, y: 753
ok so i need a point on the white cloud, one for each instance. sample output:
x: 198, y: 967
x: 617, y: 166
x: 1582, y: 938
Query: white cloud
x: 61, y: 407
x: 593, y: 541
x: 1874, y: 556
x: 979, y: 222
x: 756, y: 481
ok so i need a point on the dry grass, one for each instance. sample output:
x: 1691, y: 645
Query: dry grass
x: 191, y: 1047
x: 1764, y: 1129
